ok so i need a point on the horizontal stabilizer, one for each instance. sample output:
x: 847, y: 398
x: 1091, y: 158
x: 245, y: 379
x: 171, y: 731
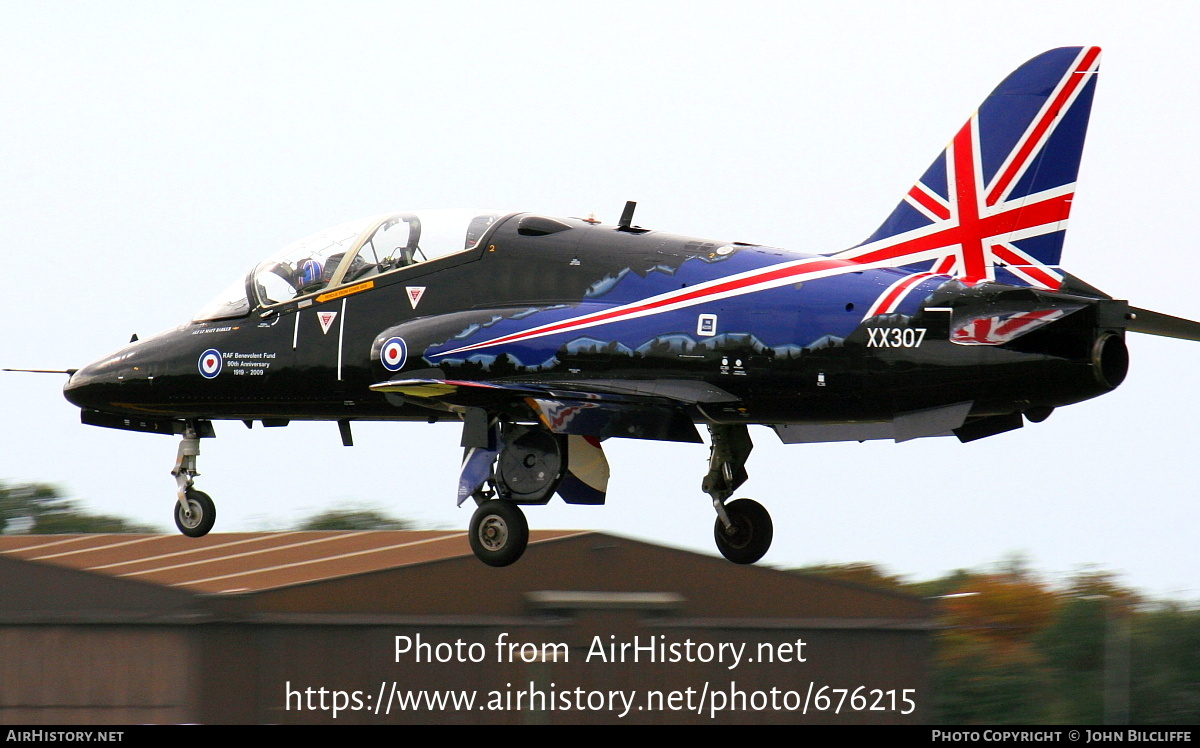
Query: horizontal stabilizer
x: 1154, y: 323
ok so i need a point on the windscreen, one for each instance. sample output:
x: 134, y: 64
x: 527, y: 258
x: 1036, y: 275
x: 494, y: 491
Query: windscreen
x: 351, y: 252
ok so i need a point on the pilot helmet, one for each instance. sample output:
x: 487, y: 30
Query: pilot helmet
x: 310, y: 272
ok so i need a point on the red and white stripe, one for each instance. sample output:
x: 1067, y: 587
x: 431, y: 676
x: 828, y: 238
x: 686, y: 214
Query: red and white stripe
x: 1019, y: 159
x: 751, y: 281
x: 890, y: 299
x: 932, y: 205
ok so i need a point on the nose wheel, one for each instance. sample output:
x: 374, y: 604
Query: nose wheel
x: 197, y: 519
x: 499, y: 532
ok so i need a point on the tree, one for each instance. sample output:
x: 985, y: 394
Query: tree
x: 40, y: 509
x: 1092, y: 610
x: 1166, y: 666
x: 354, y: 518
x: 1006, y: 609
x: 987, y: 669
x: 21, y: 504
x: 869, y: 575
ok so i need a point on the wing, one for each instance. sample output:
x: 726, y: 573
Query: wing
x: 659, y: 409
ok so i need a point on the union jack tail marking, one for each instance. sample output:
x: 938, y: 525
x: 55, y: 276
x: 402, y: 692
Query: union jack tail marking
x: 994, y: 204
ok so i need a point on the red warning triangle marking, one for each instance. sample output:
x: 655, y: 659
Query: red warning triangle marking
x: 326, y: 319
x: 414, y: 294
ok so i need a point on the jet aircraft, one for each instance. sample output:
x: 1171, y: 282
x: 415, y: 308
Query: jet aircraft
x: 545, y: 336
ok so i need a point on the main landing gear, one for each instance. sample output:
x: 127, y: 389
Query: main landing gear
x: 507, y: 465
x: 195, y: 512
x: 519, y: 465
x: 743, y: 529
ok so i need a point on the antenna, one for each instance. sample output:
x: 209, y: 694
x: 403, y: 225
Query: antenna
x: 627, y: 215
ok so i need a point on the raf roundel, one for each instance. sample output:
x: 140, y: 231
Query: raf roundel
x: 209, y: 363
x: 393, y: 354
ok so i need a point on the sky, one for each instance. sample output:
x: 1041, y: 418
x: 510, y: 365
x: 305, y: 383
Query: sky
x: 150, y: 153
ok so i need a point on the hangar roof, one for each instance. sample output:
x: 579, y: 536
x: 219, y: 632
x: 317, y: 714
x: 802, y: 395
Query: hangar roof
x: 246, y: 562
x: 396, y: 576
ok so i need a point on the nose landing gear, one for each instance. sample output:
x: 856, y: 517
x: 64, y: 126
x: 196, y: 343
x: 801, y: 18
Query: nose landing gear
x: 195, y: 511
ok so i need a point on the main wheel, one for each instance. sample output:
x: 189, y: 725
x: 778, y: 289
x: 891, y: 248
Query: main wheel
x: 499, y: 532
x: 202, y: 514
x: 750, y: 537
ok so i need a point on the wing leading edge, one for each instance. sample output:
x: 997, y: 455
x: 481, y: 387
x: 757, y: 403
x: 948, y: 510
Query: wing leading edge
x: 651, y: 409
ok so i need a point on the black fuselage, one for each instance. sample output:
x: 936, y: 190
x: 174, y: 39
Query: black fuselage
x: 788, y: 353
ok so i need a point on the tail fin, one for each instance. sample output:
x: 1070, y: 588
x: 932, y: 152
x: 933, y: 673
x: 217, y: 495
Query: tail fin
x: 994, y: 204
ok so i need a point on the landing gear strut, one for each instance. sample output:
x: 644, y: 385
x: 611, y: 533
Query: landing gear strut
x: 195, y: 512
x: 743, y: 529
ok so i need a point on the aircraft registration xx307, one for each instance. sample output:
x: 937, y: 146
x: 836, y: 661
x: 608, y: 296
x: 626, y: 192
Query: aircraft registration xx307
x: 545, y: 336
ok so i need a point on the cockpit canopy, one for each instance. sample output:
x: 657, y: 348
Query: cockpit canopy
x: 351, y: 252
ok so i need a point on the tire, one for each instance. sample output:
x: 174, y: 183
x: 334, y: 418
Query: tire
x: 751, y: 535
x: 204, y: 514
x: 499, y: 532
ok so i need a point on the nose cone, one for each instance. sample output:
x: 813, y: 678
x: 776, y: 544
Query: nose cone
x: 111, y: 383
x: 87, y: 388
